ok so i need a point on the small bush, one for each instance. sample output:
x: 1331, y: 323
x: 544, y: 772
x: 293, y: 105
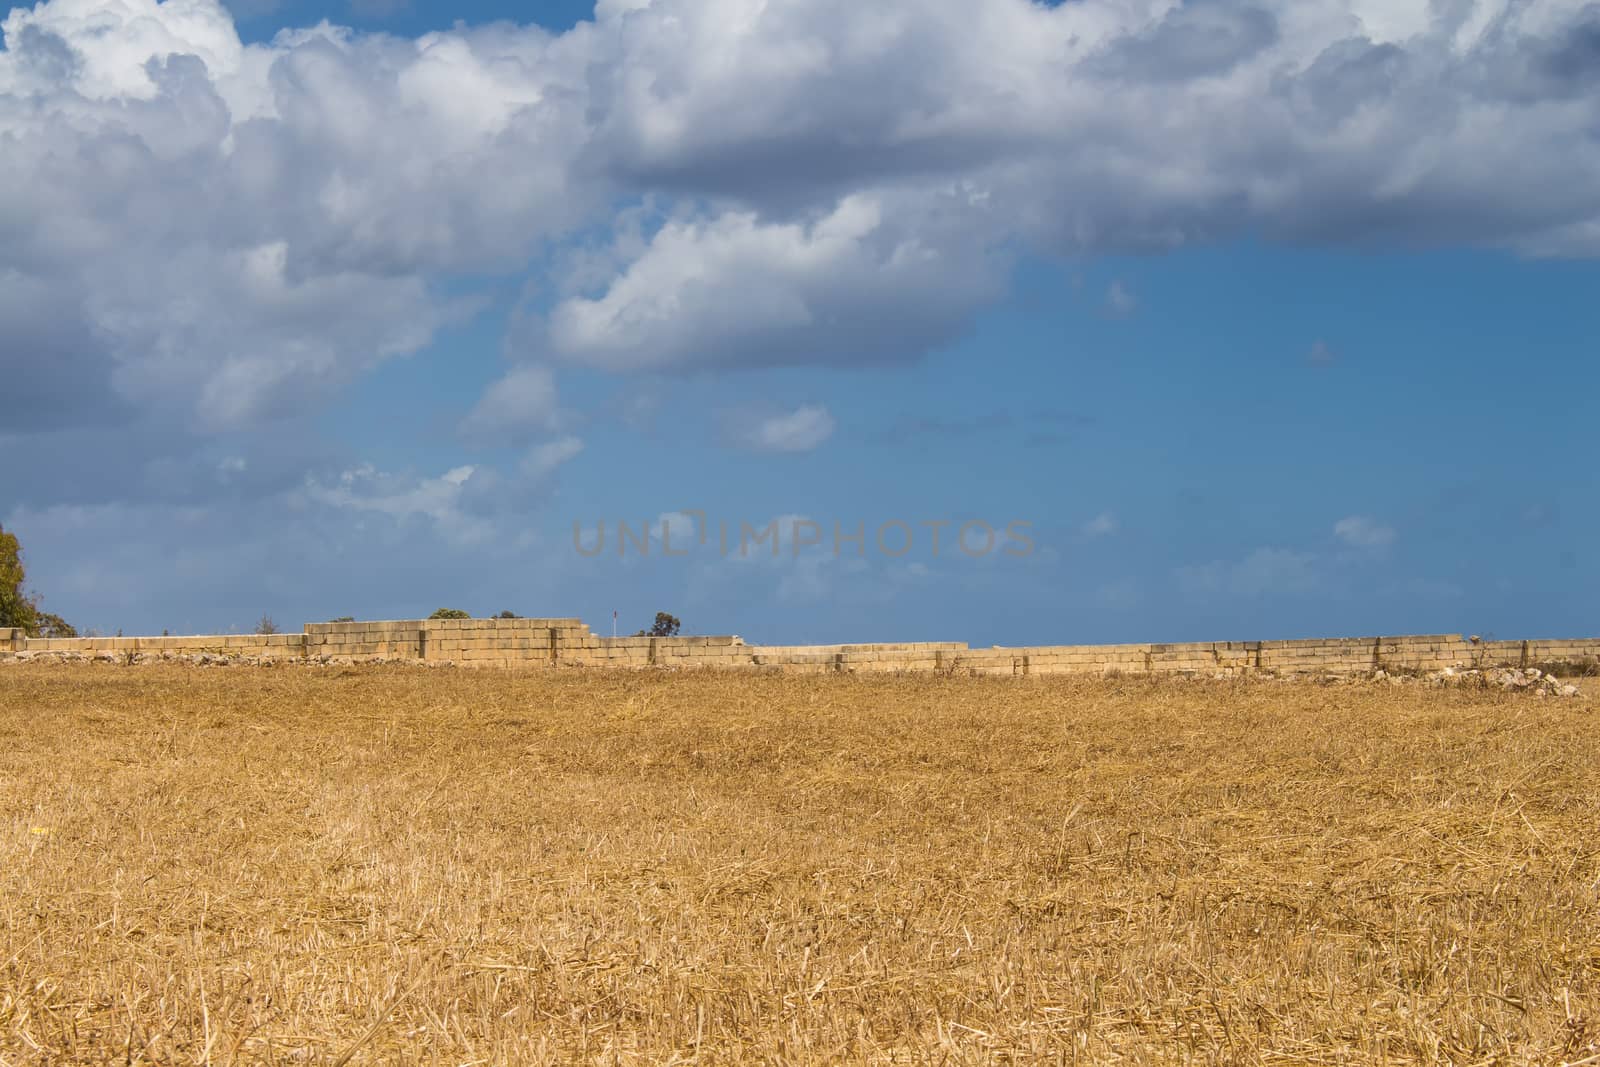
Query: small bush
x: 450, y: 613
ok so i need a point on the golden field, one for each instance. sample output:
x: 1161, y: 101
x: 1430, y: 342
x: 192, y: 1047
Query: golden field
x: 405, y: 865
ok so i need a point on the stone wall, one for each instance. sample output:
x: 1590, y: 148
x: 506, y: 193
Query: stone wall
x: 260, y: 646
x: 556, y: 642
x: 1536, y: 653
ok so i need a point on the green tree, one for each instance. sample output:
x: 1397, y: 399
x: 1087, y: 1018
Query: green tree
x: 53, y: 625
x: 450, y: 613
x: 665, y: 626
x: 508, y: 615
x: 16, y: 608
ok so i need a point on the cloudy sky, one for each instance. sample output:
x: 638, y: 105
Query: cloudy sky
x: 1258, y: 319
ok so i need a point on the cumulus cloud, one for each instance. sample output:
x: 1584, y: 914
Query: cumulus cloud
x: 231, y: 233
x: 1359, y: 531
x: 231, y: 338
x: 521, y: 404
x: 1189, y: 42
x: 860, y: 282
x: 800, y: 430
x: 1103, y: 124
x: 214, y: 235
x: 1104, y: 127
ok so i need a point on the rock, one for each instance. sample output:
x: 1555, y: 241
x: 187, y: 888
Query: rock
x: 1509, y: 678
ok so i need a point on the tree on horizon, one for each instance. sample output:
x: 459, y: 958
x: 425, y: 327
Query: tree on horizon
x: 18, y: 608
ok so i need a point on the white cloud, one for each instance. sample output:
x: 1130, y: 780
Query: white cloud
x: 1102, y: 525
x: 111, y: 45
x: 1120, y: 301
x: 237, y: 339
x: 800, y: 430
x: 681, y: 530
x: 211, y: 235
x: 520, y: 404
x: 1106, y: 126
x: 1359, y: 531
x: 437, y: 498
x: 469, y: 504
x: 1116, y: 124
x: 855, y: 283
x: 542, y: 460
x: 239, y: 231
x: 503, y: 496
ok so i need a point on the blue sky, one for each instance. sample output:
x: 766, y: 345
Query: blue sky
x: 1268, y: 320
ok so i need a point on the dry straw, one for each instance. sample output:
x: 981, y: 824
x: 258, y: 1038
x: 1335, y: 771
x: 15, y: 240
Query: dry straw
x: 398, y: 865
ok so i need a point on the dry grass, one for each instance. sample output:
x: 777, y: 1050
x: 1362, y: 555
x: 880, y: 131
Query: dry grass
x: 405, y: 865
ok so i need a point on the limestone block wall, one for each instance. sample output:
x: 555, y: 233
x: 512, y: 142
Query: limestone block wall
x: 363, y: 640
x: 1577, y: 651
x: 260, y: 646
x: 1499, y: 653
x: 1562, y: 651
x: 925, y: 656
x: 1339, y: 655
x: 724, y: 651
x: 1233, y: 656
x: 914, y: 656
x: 500, y: 642
x: 565, y: 642
x: 1426, y: 653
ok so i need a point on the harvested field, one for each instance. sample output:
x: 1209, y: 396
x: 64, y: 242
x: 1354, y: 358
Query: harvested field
x: 403, y: 865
